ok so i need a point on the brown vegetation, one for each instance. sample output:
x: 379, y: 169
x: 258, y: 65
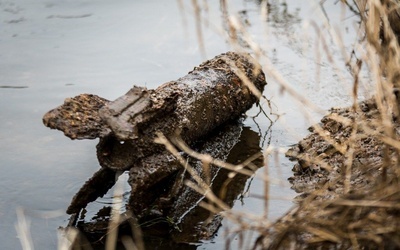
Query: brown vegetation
x: 348, y: 167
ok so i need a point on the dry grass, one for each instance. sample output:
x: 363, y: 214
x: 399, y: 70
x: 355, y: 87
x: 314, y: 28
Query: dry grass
x: 359, y: 206
x: 356, y: 204
x: 358, y: 216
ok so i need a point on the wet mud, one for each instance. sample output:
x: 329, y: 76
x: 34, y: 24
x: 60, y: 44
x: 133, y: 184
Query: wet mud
x: 322, y: 157
x: 348, y: 180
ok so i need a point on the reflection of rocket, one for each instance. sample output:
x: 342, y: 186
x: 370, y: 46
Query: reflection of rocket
x: 166, y: 208
x: 194, y: 223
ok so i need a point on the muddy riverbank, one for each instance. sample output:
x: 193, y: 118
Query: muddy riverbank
x: 349, y: 184
x: 323, y: 156
x: 105, y: 48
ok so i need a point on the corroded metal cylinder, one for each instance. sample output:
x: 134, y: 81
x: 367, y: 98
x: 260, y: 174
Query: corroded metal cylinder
x: 210, y: 95
x: 192, y: 106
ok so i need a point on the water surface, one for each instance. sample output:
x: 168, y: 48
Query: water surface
x: 50, y: 50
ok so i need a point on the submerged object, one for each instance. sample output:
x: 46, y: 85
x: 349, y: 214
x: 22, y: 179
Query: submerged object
x: 192, y: 107
x: 164, y: 208
x: 218, y: 90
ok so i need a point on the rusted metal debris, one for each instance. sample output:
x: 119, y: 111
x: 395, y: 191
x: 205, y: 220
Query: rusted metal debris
x: 192, y: 107
x: 166, y: 207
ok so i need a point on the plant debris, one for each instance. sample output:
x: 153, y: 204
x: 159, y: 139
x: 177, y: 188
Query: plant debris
x: 350, y: 184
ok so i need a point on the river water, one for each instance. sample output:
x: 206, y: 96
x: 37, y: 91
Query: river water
x: 50, y: 50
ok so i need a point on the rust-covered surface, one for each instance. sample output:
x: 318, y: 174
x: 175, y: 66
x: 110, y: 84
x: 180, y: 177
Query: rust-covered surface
x: 208, y: 96
x: 78, y: 117
x: 192, y: 108
x: 164, y: 206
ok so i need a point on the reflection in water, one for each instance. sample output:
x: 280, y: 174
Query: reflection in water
x: 124, y: 43
x: 12, y: 87
x: 69, y: 16
x: 279, y: 15
x: 181, y: 220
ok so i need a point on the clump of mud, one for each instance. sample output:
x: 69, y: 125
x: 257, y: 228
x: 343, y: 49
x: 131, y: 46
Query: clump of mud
x: 345, y: 140
x: 348, y: 174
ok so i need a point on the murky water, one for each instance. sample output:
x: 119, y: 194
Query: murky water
x: 50, y: 50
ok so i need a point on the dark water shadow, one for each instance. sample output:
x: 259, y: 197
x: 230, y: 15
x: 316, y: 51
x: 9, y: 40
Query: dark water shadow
x: 183, y: 224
